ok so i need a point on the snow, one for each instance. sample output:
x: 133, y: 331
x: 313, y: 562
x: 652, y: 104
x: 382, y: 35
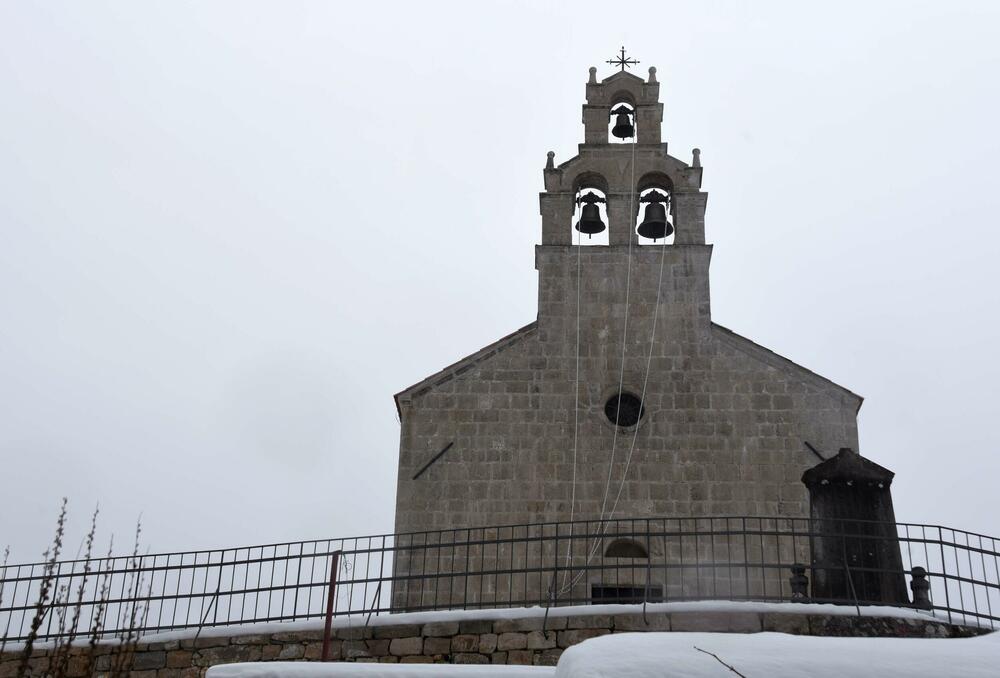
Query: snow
x: 335, y: 670
x: 778, y: 655
x: 527, y: 612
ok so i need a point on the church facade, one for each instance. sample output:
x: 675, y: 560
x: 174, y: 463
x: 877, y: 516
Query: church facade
x: 624, y: 398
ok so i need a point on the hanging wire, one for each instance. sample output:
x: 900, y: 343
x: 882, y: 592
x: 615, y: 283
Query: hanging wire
x: 576, y: 410
x: 645, y: 379
x: 621, y: 382
x: 621, y: 371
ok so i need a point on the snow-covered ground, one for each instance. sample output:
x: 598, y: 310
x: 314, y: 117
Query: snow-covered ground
x: 334, y: 670
x: 777, y: 655
x: 690, y: 655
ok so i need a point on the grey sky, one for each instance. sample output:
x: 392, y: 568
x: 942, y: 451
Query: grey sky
x: 230, y: 231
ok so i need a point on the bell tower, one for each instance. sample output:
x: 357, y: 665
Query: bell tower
x: 622, y: 399
x: 649, y: 283
x: 609, y: 167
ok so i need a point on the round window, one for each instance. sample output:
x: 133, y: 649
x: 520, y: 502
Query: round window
x: 624, y: 409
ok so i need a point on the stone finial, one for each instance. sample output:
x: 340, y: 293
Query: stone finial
x: 593, y: 76
x: 921, y: 589
x: 652, y: 75
x: 550, y: 162
x: 799, y: 583
x: 696, y: 157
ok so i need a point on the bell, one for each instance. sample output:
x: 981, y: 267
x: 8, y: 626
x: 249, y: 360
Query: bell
x: 623, y: 127
x: 590, y: 220
x: 654, y: 222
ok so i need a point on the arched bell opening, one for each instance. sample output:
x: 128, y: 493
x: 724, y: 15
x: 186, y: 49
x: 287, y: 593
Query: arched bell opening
x: 590, y: 216
x: 621, y: 123
x: 654, y: 221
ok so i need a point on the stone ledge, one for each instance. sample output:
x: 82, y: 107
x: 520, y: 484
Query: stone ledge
x: 531, y: 639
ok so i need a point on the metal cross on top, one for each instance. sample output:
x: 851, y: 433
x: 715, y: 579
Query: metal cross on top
x: 620, y: 60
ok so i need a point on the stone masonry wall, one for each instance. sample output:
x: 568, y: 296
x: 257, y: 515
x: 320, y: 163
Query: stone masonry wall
x: 532, y: 641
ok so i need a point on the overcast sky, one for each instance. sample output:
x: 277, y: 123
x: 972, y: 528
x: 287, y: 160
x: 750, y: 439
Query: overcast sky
x: 230, y: 231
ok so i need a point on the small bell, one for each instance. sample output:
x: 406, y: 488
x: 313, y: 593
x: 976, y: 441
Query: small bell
x: 654, y: 222
x: 590, y: 220
x: 623, y: 128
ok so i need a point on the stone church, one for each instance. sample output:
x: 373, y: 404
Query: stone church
x: 624, y: 398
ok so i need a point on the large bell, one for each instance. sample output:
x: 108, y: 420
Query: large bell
x: 654, y: 222
x: 623, y: 127
x: 590, y: 220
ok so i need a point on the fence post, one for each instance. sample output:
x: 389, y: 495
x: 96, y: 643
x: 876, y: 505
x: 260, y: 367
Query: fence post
x: 330, y: 599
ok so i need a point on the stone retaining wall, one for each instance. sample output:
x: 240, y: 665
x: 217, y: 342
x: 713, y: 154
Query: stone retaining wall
x: 529, y: 640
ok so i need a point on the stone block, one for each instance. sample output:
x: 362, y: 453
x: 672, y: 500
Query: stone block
x: 541, y: 640
x: 587, y: 621
x: 779, y: 622
x: 440, y: 629
x: 378, y: 647
x: 476, y: 626
x: 437, y: 646
x: 733, y: 622
x: 226, y: 654
x: 518, y: 625
x: 252, y: 639
x: 573, y: 636
x: 470, y: 658
x: 296, y: 636
x: 488, y: 643
x: 270, y: 652
x: 354, y: 633
x: 406, y: 646
x: 498, y: 658
x: 354, y: 649
x: 397, y: 631
x: 658, y: 621
x: 314, y: 651
x: 512, y: 641
x: 292, y: 651
x: 548, y: 657
x: 465, y: 643
x: 179, y: 659
x: 523, y: 657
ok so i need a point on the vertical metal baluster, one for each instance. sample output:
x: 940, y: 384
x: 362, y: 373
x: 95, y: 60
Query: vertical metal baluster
x: 927, y: 558
x: 482, y: 563
x: 746, y: 559
x: 996, y: 565
x: 972, y: 576
x: 368, y: 565
x: 944, y: 574
x: 465, y: 583
x: 958, y: 575
x: 381, y: 574
x: 986, y: 580
x: 312, y: 579
x: 257, y: 592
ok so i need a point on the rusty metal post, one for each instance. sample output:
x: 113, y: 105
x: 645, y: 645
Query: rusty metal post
x: 330, y: 599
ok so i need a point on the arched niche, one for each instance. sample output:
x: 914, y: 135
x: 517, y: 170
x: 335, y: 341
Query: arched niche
x: 589, y: 188
x: 658, y: 188
x: 626, y: 548
x: 622, y: 112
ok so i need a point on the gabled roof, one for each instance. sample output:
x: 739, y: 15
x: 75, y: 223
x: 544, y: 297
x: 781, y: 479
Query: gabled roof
x: 465, y: 364
x: 622, y: 75
x: 847, y: 466
x: 779, y: 362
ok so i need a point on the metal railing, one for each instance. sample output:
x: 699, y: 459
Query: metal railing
x: 548, y: 564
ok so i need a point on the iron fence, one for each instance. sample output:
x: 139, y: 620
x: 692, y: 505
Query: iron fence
x: 547, y: 564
